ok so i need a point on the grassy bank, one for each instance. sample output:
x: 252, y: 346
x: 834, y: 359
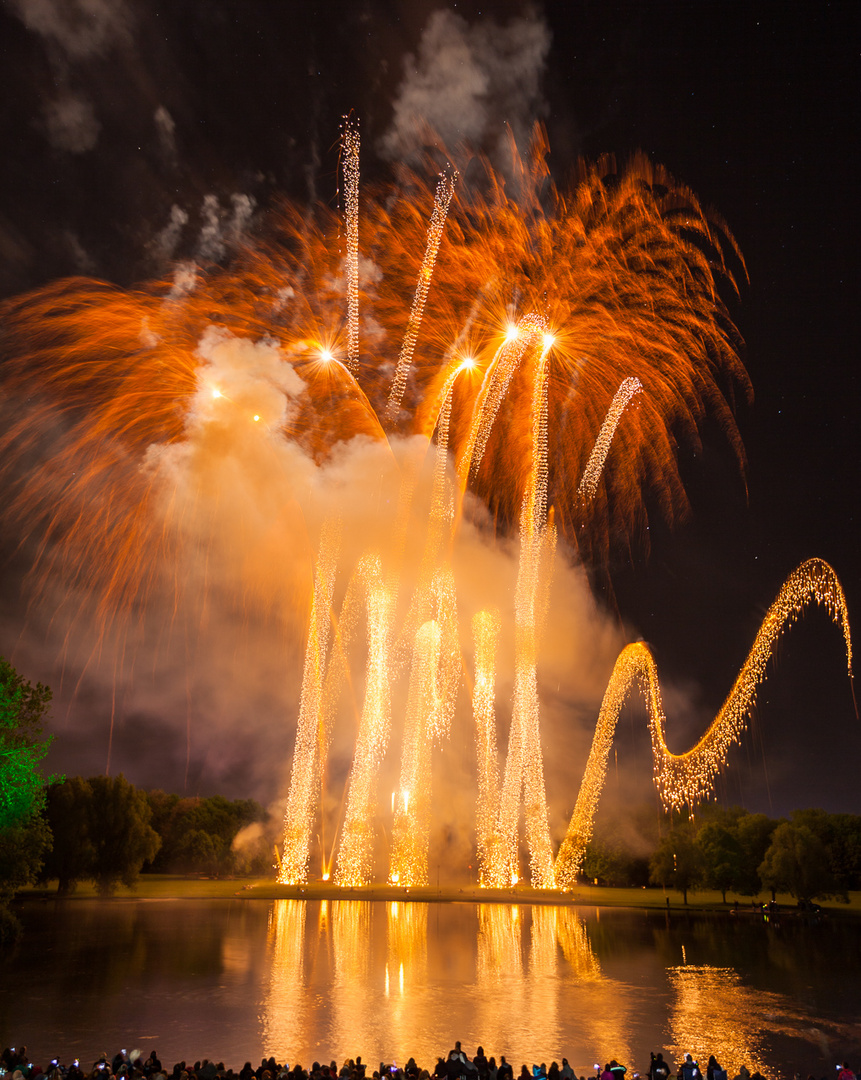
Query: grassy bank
x: 170, y: 887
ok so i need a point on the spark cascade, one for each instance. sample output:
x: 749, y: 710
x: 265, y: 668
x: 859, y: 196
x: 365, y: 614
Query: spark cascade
x: 309, y: 754
x: 355, y: 854
x: 485, y: 629
x: 687, y: 779
x: 524, y: 767
x: 433, y: 689
x: 440, y: 514
x: 156, y: 397
x: 412, y: 800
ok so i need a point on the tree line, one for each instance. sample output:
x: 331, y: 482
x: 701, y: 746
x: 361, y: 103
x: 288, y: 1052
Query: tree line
x: 107, y: 831
x: 103, y: 829
x: 808, y: 855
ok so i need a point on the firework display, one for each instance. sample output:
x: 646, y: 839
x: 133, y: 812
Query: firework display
x: 554, y: 349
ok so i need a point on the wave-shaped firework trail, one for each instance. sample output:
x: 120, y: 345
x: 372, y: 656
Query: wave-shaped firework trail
x: 687, y: 779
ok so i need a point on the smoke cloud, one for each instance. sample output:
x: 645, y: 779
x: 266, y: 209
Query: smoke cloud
x: 71, y: 124
x: 470, y: 84
x: 205, y: 683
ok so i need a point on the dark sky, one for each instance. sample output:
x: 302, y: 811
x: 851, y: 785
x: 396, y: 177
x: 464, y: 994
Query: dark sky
x: 116, y: 110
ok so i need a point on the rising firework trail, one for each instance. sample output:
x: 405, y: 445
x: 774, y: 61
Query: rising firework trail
x: 350, y: 148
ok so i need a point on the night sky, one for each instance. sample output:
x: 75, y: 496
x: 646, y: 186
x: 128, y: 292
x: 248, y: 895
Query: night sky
x: 116, y: 111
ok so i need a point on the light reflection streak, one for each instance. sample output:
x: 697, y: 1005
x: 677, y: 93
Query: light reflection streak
x: 714, y: 1013
x: 286, y: 1005
x: 353, y: 1020
x: 406, y: 974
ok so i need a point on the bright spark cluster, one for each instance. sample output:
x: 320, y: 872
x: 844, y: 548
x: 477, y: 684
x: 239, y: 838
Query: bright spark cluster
x: 518, y: 342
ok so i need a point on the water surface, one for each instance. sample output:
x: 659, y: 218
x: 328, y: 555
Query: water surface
x: 304, y: 980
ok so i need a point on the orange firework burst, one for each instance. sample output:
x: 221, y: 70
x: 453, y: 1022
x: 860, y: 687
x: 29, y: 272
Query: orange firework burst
x: 624, y: 268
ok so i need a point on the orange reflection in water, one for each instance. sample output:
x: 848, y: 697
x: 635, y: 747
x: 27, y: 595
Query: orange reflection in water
x: 406, y: 976
x: 556, y: 993
x: 387, y: 981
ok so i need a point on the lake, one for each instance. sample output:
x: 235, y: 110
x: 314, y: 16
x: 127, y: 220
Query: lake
x: 303, y: 980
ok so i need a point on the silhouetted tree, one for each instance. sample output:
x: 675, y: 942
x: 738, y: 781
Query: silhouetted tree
x: 677, y: 861
x: 69, y: 809
x: 754, y: 833
x: 797, y: 862
x: 120, y: 832
x: 722, y: 856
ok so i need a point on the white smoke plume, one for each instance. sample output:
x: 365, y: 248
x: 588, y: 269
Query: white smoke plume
x: 223, y: 229
x: 165, y: 127
x: 470, y: 84
x: 206, y: 681
x: 163, y: 245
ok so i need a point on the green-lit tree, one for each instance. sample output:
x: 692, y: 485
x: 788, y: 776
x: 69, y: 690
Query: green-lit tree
x: 24, y: 836
x: 23, y: 711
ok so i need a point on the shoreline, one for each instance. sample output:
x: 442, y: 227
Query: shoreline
x: 175, y: 887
